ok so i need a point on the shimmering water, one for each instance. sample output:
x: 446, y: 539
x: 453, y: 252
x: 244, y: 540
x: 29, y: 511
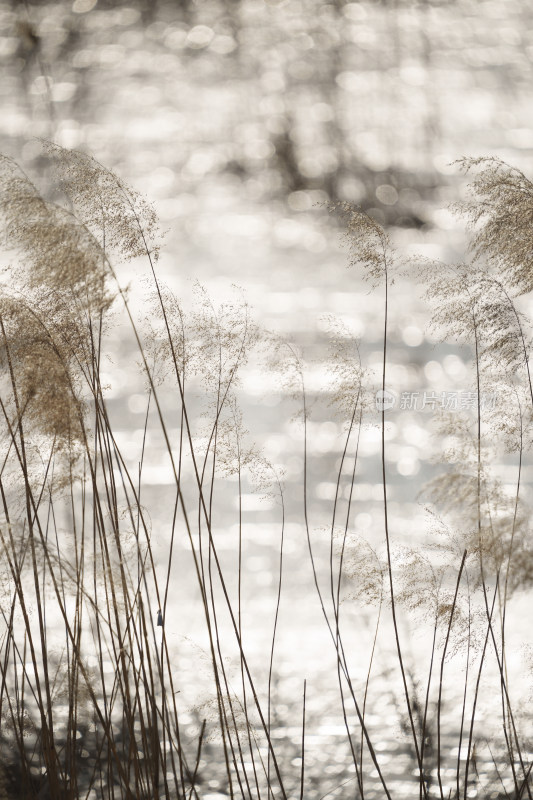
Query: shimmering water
x: 239, y: 120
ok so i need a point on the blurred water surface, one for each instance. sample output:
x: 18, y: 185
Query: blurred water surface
x: 240, y: 120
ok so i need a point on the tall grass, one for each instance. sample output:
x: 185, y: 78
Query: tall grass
x: 89, y: 698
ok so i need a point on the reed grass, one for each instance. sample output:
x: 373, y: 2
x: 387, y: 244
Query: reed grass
x: 90, y: 703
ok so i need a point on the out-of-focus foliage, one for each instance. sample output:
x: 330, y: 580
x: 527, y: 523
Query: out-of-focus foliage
x: 359, y: 101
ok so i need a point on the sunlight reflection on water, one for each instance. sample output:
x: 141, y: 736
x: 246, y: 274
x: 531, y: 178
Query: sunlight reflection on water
x: 201, y: 118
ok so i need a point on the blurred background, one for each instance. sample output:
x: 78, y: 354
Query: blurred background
x: 273, y: 102
x: 240, y: 119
